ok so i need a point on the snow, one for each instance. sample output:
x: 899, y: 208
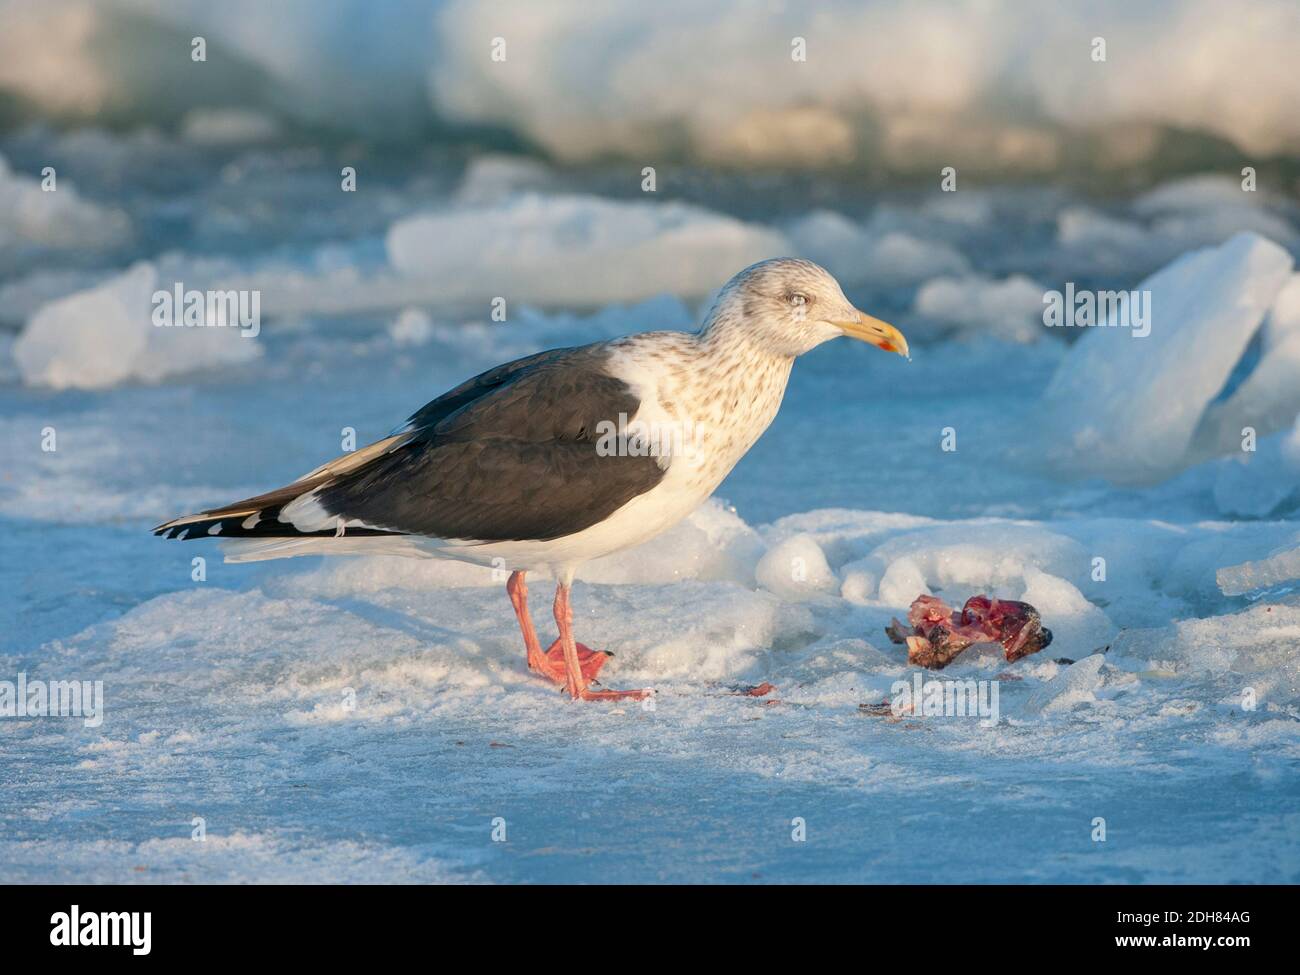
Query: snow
x: 1125, y: 406
x: 104, y: 336
x: 796, y: 567
x: 298, y: 709
x: 579, y: 249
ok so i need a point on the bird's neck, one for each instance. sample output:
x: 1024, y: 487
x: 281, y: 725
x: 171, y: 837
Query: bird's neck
x: 739, y: 389
x: 726, y: 339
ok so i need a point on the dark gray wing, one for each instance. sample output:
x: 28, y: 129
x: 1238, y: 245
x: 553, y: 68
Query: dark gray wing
x: 509, y: 455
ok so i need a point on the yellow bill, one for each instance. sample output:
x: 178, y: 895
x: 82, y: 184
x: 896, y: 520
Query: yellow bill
x: 880, y: 334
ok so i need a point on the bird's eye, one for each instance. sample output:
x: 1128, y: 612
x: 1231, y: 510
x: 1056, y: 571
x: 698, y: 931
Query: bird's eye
x: 798, y: 300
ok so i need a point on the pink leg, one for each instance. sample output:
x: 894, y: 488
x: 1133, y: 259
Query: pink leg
x: 549, y: 663
x: 537, y: 661
x: 576, y: 682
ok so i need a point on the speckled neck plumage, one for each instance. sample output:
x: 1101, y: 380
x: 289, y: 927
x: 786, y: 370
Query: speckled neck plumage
x: 721, y: 381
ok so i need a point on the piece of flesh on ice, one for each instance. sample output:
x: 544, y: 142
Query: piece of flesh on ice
x: 934, y: 637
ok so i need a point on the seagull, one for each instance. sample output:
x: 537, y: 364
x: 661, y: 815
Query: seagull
x: 561, y: 457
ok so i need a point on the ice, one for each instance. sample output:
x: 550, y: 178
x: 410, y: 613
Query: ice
x: 228, y: 859
x: 902, y: 582
x: 1256, y: 483
x: 562, y: 252
x: 105, y: 336
x: 1010, y: 309
x: 1074, y: 685
x: 366, y: 718
x: 713, y: 543
x: 983, y: 557
x: 1268, y: 398
x: 58, y: 218
x: 1165, y: 222
x: 1194, y: 194
x: 1126, y: 407
x: 856, y: 255
x: 412, y: 327
x: 1078, y: 626
x: 343, y: 681
x: 585, y: 87
x: 860, y: 580
x: 228, y: 126
x: 796, y: 567
x: 493, y: 177
x: 578, y: 249
x: 865, y: 70
x: 1253, y: 648
x: 1281, y: 567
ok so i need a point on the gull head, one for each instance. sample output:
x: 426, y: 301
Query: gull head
x: 788, y: 305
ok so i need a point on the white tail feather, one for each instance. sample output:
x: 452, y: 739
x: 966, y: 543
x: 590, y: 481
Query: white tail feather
x: 262, y: 549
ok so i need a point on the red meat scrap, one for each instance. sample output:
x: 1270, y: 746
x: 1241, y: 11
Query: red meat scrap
x: 935, y: 635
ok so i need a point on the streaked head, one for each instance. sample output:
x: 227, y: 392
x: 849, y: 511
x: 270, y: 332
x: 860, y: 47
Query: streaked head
x: 791, y: 306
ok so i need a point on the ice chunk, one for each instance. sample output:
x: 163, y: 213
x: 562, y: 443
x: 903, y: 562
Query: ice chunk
x: 228, y: 126
x: 30, y: 215
x: 860, y: 580
x: 857, y: 255
x: 1257, y: 483
x: 902, y: 582
x: 796, y: 568
x: 992, y: 557
x: 1281, y: 567
x: 1078, y: 627
x: 495, y: 176
x: 1009, y: 309
x: 105, y: 336
x: 1191, y: 194
x: 577, y: 249
x: 412, y: 327
x: 1174, y: 217
x: 631, y: 81
x: 1258, y: 643
x: 713, y: 543
x: 1268, y: 399
x: 1125, y: 407
x: 1074, y: 685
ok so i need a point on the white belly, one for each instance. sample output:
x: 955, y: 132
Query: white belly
x: 640, y: 520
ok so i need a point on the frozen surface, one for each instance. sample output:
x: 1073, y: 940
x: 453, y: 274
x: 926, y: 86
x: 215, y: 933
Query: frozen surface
x: 228, y: 699
x: 367, y: 719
